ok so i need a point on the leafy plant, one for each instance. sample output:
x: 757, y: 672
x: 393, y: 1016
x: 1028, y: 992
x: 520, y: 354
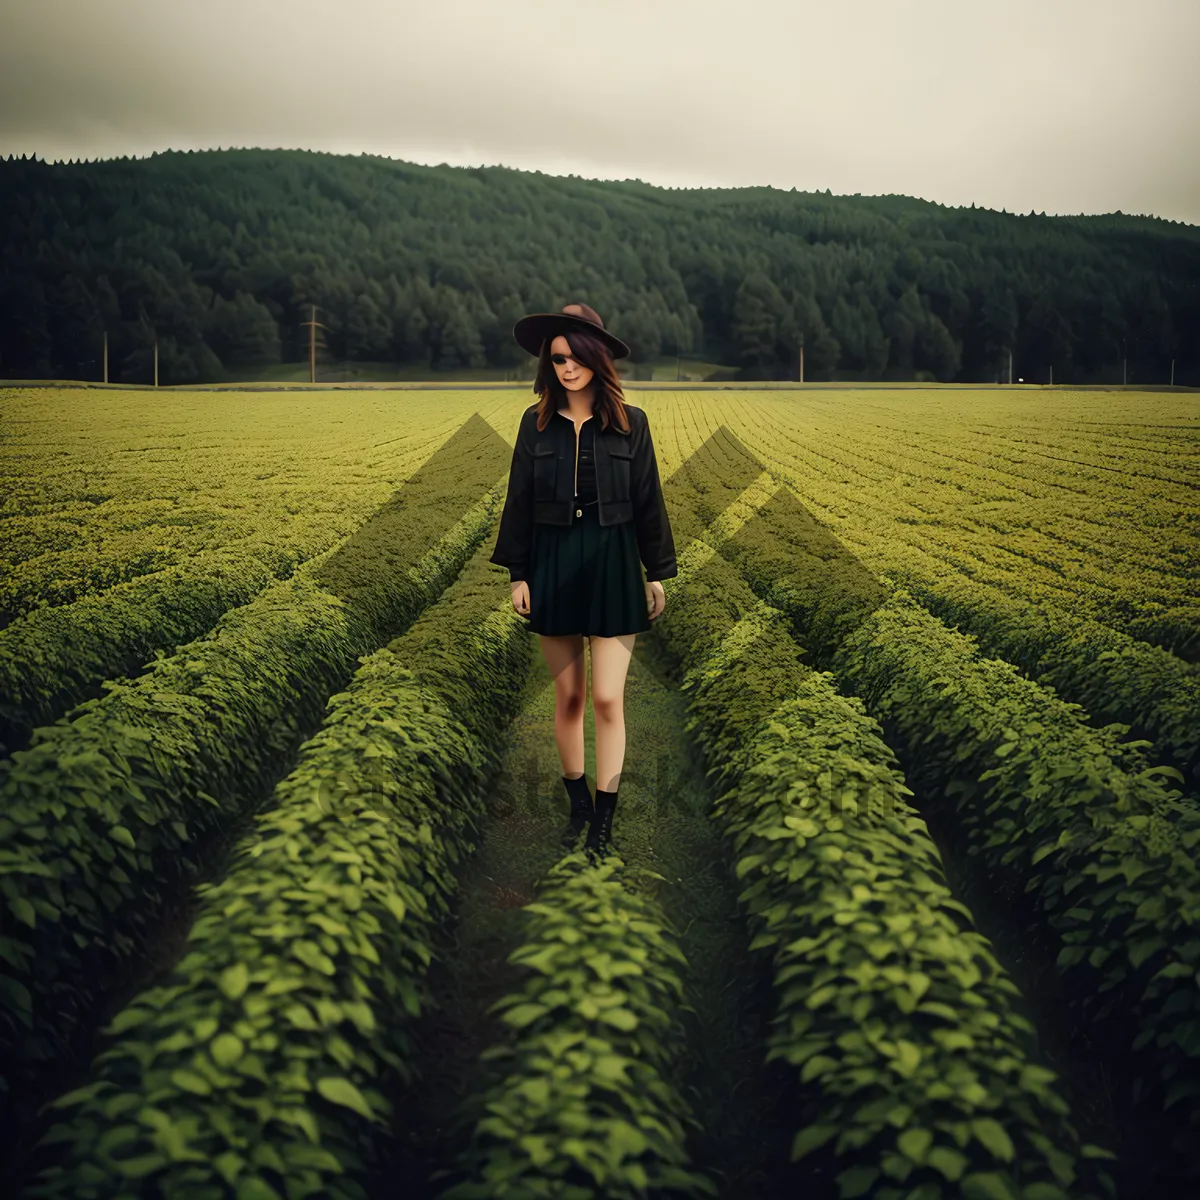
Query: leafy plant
x: 257, y: 1068
x: 590, y: 1106
x: 919, y: 1074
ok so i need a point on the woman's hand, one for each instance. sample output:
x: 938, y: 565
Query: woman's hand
x: 656, y: 598
x: 520, y: 597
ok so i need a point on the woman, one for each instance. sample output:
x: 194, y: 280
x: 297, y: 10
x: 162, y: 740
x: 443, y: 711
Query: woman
x: 584, y: 503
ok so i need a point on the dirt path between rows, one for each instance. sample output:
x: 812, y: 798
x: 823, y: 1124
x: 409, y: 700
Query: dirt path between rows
x: 661, y: 822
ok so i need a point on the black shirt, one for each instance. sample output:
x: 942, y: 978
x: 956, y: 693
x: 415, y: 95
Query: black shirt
x: 585, y: 492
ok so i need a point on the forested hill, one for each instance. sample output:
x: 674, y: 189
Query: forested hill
x: 221, y: 253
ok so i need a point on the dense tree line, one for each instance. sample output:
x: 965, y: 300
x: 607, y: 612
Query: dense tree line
x: 221, y: 254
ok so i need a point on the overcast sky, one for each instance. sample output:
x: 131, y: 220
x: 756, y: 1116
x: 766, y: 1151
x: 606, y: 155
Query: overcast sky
x: 1062, y: 106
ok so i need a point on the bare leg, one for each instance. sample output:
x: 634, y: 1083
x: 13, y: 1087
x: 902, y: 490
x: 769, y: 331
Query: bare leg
x: 564, y: 657
x: 610, y: 665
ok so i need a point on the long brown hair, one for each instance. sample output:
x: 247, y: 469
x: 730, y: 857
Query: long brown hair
x: 592, y: 352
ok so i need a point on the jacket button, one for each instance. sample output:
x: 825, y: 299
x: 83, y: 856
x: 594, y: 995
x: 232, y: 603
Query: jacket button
x: 579, y: 512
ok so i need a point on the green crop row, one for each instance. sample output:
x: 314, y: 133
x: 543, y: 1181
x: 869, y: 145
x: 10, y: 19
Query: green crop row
x: 259, y: 1068
x: 29, y: 533
x: 1069, y: 819
x: 1073, y: 827
x: 103, y: 818
x: 1112, y: 675
x: 917, y: 1076
x: 590, y: 1106
x: 50, y: 576
x: 55, y: 658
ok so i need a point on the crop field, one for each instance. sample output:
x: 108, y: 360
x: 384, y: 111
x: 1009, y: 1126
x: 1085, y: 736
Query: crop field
x: 906, y: 899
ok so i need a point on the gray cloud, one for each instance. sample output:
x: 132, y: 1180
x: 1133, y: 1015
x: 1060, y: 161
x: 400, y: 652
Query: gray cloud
x: 1061, y: 106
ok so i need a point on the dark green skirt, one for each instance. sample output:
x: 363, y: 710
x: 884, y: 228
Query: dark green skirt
x: 586, y: 578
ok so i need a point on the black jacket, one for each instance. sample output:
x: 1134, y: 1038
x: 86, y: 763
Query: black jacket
x: 541, y: 487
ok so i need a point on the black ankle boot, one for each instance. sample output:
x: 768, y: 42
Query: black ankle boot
x: 582, y: 809
x: 599, y: 839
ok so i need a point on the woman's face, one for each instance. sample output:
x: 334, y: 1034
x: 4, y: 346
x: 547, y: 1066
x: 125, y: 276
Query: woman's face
x: 574, y: 376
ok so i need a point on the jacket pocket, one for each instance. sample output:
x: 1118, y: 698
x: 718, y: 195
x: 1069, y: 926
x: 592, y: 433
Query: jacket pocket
x: 545, y: 470
x: 620, y: 455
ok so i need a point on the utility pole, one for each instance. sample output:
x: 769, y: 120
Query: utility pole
x: 106, y: 358
x: 312, y: 324
x: 801, y: 360
x: 156, y: 360
x: 1172, y: 372
x: 1010, y: 367
x: 1051, y: 374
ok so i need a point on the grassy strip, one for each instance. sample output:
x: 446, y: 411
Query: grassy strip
x: 55, y: 658
x: 258, y: 1068
x: 1112, y: 675
x: 104, y: 814
x: 1066, y: 819
x: 590, y: 1106
x: 917, y: 1077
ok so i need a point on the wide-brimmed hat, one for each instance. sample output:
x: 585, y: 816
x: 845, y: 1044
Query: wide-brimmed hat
x: 530, y: 331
